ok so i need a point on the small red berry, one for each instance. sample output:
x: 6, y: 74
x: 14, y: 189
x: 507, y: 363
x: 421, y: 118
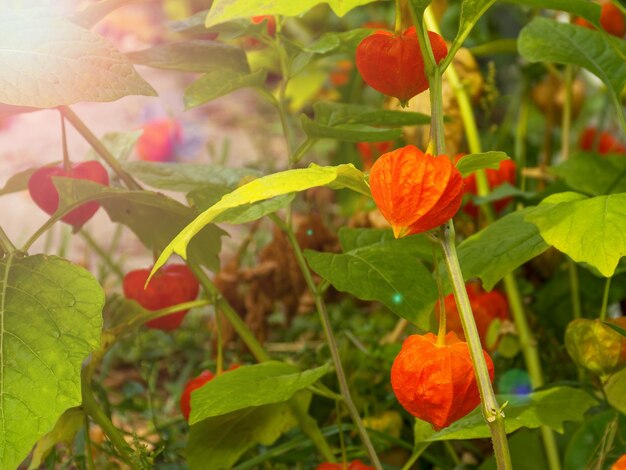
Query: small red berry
x: 46, y: 196
x: 602, y: 142
x: 354, y: 465
x: 190, y: 386
x: 612, y: 20
x: 506, y: 173
x: 171, y: 285
x: 394, y: 65
x: 436, y: 383
x: 159, y: 140
x: 370, y: 151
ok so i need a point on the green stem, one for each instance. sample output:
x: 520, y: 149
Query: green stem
x: 605, y: 299
x: 307, y: 424
x: 566, y: 119
x: 441, y: 333
x: 100, y: 149
x: 491, y: 410
x: 91, y: 408
x: 574, y: 288
x: 6, y: 245
x: 88, y: 449
x: 520, y: 137
x: 398, y: 24
x: 302, y: 150
x: 332, y: 343
x: 102, y: 253
x: 67, y: 165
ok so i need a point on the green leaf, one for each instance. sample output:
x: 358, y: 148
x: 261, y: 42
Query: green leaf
x: 219, y: 83
x: 615, y: 387
x: 526, y: 450
x: 499, y: 248
x: 387, y: 272
x: 193, y: 56
x: 120, y: 144
x: 544, y: 40
x: 592, y: 174
x: 334, y: 114
x: 343, y: 42
x: 261, y: 189
x: 185, y: 177
x: 47, y: 53
x: 226, y: 10
x: 503, y: 191
x: 64, y: 431
x: 468, y: 164
x: 471, y: 12
x: 250, y: 386
x: 18, y: 182
x: 549, y: 408
x: 348, y: 132
x: 588, y: 446
x: 615, y: 327
x: 250, y: 212
x: 194, y: 26
x: 588, y: 10
x: 352, y: 238
x: 51, y: 316
x: 588, y: 230
x: 222, y: 440
x: 153, y: 217
x: 420, y: 6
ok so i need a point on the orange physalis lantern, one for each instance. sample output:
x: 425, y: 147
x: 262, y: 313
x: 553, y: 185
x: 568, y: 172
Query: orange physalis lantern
x: 436, y: 383
x: 394, y: 65
x: 414, y: 191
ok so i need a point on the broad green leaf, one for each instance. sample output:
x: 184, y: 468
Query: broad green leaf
x: 592, y: 174
x: 503, y: 191
x: 64, y: 431
x: 226, y: 10
x: 352, y: 238
x: 185, y: 177
x: 588, y: 445
x: 193, y: 56
x: 468, y: 164
x: 250, y: 386
x: 250, y: 212
x: 526, y: 450
x: 499, y: 248
x: 588, y: 230
x: 334, y: 114
x: 153, y: 217
x: 17, y: 182
x: 304, y: 87
x: 343, y: 42
x: 551, y: 408
x: 420, y: 6
x: 588, y: 10
x: 348, y: 132
x: 544, y: 40
x: 194, y: 26
x: 471, y: 12
x: 220, y: 83
x: 51, y: 316
x: 120, y: 144
x: 387, y: 272
x: 222, y: 440
x: 615, y: 388
x: 261, y: 189
x: 47, y: 53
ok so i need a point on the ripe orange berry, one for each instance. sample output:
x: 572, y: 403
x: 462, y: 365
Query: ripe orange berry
x: 436, y: 383
x: 414, y: 191
x: 612, y: 20
x: 394, y: 65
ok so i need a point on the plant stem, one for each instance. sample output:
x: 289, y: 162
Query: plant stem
x: 574, y: 288
x: 398, y: 24
x: 605, y: 299
x: 67, y: 165
x: 6, y: 245
x: 491, y: 410
x: 566, y: 119
x: 307, y: 423
x: 441, y: 334
x: 88, y: 449
x: 91, y: 408
x: 102, y: 253
x: 100, y: 149
x: 332, y: 343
